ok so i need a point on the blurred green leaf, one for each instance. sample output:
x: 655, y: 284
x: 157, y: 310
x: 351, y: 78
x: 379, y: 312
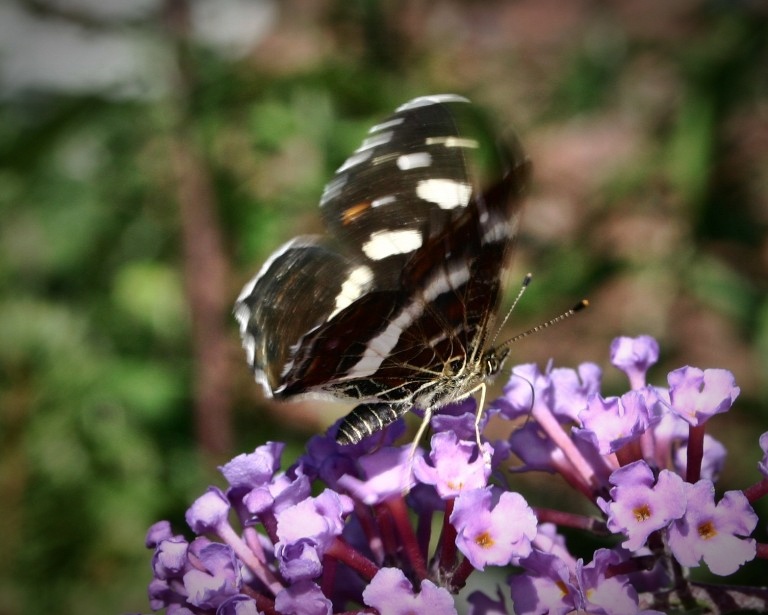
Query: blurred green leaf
x: 722, y: 287
x: 152, y: 294
x: 690, y: 157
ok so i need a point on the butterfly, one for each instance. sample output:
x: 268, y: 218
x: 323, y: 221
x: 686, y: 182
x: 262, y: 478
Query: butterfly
x: 394, y: 306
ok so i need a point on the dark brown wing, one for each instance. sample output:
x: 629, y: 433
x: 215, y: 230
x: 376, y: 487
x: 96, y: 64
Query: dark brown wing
x: 421, y: 220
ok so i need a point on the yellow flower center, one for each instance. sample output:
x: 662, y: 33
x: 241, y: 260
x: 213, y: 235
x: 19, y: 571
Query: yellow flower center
x: 484, y: 540
x: 707, y: 530
x: 642, y: 513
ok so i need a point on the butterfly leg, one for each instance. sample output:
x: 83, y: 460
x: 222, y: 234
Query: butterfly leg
x: 479, y: 416
x: 419, y: 434
x: 367, y: 419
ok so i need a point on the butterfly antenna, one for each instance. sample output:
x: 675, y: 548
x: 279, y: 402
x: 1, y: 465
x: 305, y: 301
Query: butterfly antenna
x: 523, y: 286
x: 567, y: 314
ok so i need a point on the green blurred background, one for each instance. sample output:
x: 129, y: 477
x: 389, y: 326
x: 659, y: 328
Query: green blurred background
x: 153, y: 153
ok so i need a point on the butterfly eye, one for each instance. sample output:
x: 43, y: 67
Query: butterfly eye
x: 497, y: 358
x: 492, y: 365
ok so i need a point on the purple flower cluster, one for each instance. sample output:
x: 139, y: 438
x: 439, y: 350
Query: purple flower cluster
x: 370, y: 528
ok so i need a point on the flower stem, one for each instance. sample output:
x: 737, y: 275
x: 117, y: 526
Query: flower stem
x: 241, y: 549
x: 341, y: 551
x: 566, y: 519
x: 399, y: 512
x: 583, y: 476
x: 447, y: 542
x: 695, y: 453
x: 756, y: 491
x: 459, y: 578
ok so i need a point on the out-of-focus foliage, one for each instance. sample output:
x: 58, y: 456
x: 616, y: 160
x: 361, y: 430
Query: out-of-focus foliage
x: 647, y: 124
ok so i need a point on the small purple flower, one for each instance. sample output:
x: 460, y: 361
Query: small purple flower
x: 162, y: 595
x: 327, y: 460
x: 562, y: 391
x: 697, y: 395
x: 482, y: 604
x: 493, y: 527
x: 238, y: 605
x: 208, y: 512
x: 254, y: 469
x: 280, y: 493
x: 459, y: 418
x: 601, y: 593
x: 572, y: 388
x: 306, y: 530
x: 391, y: 593
x: 387, y: 472
x: 526, y: 383
x: 545, y: 588
x: 613, y: 422
x: 157, y: 533
x: 549, y: 540
x: 553, y: 399
x: 455, y: 467
x: 320, y: 518
x: 300, y: 559
x: 639, y: 506
x: 633, y: 356
x: 219, y: 579
x: 170, y: 558
x: 667, y: 434
x: 763, y: 463
x: 539, y: 451
x: 534, y: 448
x: 712, y: 532
x: 303, y: 598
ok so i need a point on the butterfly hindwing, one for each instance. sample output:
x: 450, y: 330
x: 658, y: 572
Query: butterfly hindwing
x: 285, y: 301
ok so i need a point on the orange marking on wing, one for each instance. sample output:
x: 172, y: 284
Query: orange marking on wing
x: 352, y: 212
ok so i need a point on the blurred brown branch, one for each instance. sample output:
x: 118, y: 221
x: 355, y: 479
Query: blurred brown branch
x: 206, y: 268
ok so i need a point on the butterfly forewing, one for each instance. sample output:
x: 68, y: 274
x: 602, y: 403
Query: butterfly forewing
x: 393, y: 305
x: 413, y: 176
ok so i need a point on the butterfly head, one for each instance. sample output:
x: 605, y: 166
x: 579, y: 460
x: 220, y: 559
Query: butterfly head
x: 493, y: 361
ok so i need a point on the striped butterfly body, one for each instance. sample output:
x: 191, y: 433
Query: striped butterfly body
x: 394, y: 306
